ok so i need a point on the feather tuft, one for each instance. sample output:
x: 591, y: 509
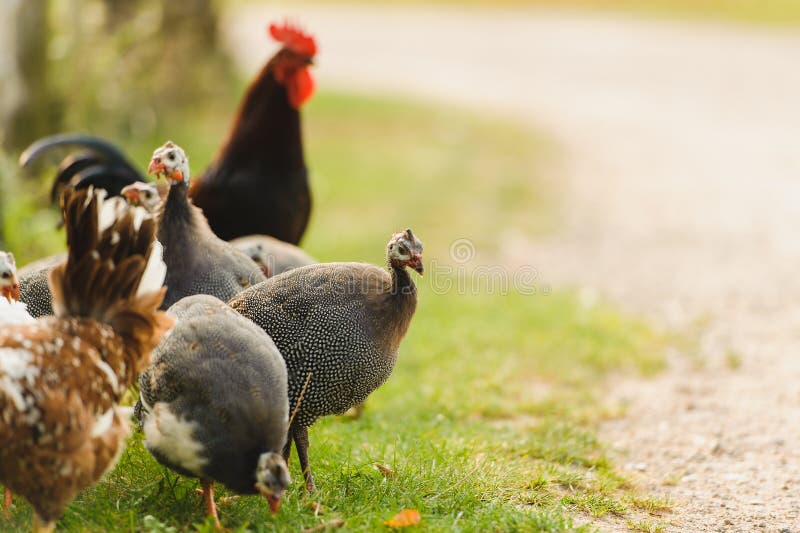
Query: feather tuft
x: 155, y: 272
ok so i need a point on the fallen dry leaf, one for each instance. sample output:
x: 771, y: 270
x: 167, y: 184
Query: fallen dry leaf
x: 405, y: 518
x: 316, y: 507
x: 383, y: 469
x: 333, y: 524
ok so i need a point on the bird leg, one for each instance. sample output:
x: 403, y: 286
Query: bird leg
x: 7, y: 503
x: 287, y: 448
x: 42, y: 526
x: 301, y: 445
x: 208, y: 501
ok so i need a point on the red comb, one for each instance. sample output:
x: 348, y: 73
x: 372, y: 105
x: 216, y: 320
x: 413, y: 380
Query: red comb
x: 293, y: 37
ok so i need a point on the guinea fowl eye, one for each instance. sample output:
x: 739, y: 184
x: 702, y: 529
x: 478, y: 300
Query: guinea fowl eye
x: 402, y: 249
x: 171, y: 156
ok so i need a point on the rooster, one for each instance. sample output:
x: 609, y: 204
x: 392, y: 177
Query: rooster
x: 258, y: 182
x: 61, y: 377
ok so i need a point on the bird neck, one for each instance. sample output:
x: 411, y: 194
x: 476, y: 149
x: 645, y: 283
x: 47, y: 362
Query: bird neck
x: 267, y: 128
x: 176, y: 215
x: 402, y: 284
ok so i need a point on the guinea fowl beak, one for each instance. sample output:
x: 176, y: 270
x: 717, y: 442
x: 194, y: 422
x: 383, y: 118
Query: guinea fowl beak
x: 156, y: 166
x: 131, y: 193
x: 416, y: 264
x: 274, y: 500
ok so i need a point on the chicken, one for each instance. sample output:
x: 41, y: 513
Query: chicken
x: 61, y: 377
x: 197, y: 261
x: 258, y: 182
x: 12, y: 311
x: 339, y: 327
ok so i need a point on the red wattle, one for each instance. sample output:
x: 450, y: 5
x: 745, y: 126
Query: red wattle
x: 300, y: 88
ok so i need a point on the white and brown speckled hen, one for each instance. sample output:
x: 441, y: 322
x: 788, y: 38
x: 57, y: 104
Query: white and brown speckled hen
x: 12, y: 311
x: 61, y: 377
x: 340, y: 323
x: 213, y: 402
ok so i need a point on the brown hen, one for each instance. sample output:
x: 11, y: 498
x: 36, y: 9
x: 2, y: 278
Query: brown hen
x: 61, y: 377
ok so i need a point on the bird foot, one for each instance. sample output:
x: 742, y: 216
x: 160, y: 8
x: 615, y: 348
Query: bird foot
x: 207, y: 493
x: 310, y: 486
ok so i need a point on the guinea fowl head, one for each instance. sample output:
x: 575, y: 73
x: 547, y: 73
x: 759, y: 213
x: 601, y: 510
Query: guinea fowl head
x: 142, y: 195
x: 405, y: 250
x: 9, y: 285
x: 272, y: 478
x: 171, y: 162
x: 290, y: 64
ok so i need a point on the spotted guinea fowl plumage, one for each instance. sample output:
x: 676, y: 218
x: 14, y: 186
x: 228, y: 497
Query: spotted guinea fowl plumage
x: 34, y: 285
x: 214, y: 401
x: 62, y: 376
x: 339, y: 323
x: 197, y: 261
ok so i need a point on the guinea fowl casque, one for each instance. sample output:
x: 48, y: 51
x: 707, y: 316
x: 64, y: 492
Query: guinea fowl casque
x: 257, y: 183
x: 61, y: 377
x: 213, y: 402
x: 198, y: 262
x: 339, y: 327
x: 273, y: 256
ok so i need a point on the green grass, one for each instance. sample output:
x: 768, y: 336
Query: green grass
x: 770, y: 12
x: 488, y: 420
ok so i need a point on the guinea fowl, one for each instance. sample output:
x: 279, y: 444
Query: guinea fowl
x: 143, y: 194
x: 213, y: 402
x: 197, y: 261
x: 61, y: 377
x: 34, y: 286
x: 258, y: 183
x: 9, y: 284
x: 338, y: 326
x: 272, y: 255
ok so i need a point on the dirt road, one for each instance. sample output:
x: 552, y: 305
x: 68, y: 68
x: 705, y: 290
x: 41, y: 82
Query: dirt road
x: 681, y: 171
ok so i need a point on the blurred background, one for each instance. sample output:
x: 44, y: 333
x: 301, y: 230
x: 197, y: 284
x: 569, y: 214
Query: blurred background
x: 589, y: 177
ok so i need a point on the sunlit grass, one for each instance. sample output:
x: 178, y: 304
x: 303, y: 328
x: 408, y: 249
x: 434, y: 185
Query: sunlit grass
x: 488, y: 420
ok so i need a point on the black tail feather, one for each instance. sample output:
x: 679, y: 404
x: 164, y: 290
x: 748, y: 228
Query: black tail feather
x: 98, y: 163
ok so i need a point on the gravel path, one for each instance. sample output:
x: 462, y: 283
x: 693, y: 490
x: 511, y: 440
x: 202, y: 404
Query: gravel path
x: 682, y: 176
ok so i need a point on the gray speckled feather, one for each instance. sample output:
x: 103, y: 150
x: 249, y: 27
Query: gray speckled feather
x: 342, y: 322
x: 224, y: 376
x: 34, y: 289
x: 198, y: 262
